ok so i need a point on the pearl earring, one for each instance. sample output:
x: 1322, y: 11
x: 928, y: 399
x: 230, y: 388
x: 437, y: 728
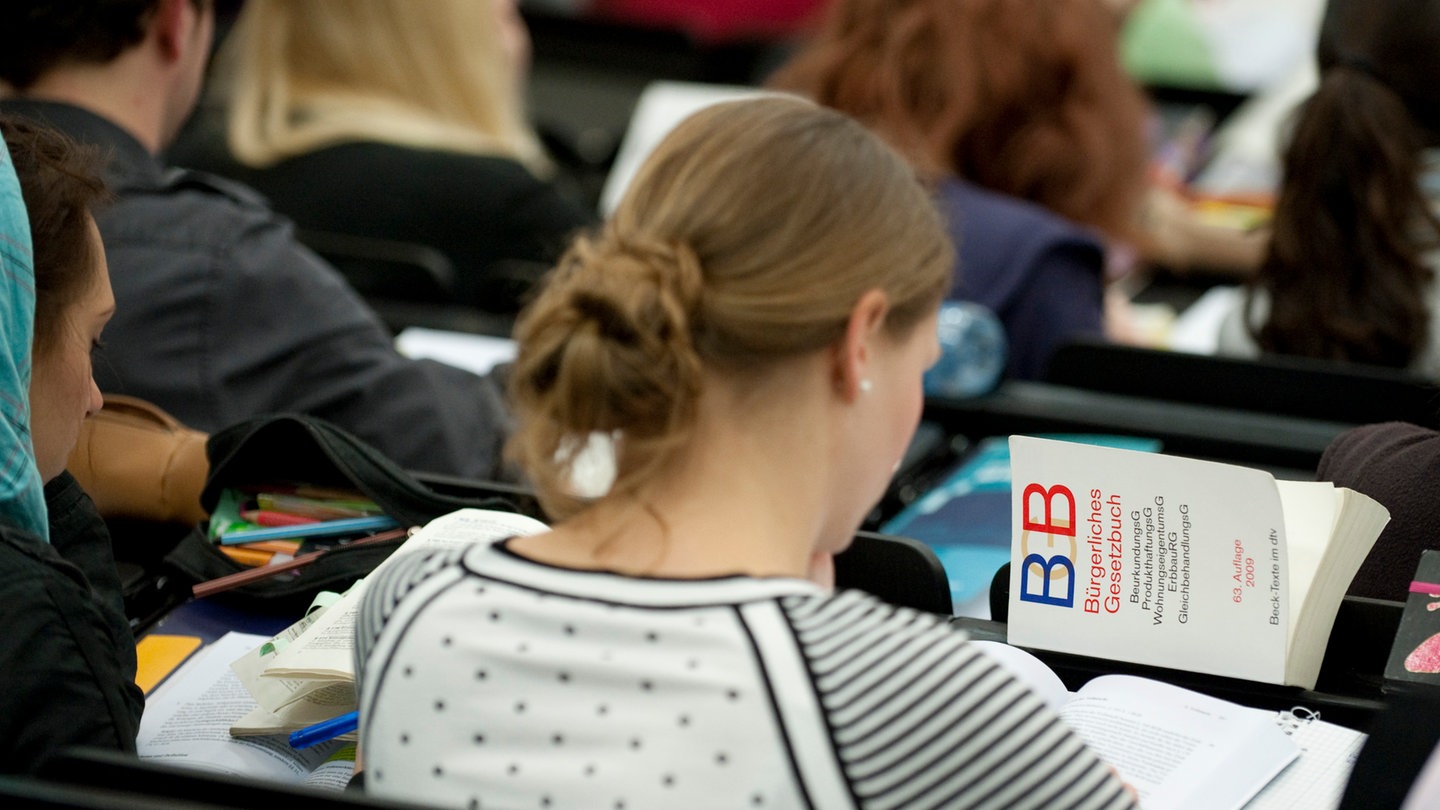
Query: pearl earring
x: 865, y: 386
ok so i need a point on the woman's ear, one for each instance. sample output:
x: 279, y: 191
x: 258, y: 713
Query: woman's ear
x: 856, y: 350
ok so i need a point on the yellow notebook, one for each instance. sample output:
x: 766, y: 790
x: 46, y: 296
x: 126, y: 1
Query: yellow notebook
x: 158, y: 655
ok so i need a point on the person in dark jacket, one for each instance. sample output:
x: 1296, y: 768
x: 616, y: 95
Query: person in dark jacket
x: 1397, y: 464
x: 67, y: 654
x: 223, y: 315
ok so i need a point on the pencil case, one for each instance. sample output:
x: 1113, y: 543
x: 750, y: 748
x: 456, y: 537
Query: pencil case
x: 310, y: 451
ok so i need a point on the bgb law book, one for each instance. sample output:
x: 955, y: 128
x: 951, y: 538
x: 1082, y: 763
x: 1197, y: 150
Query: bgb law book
x: 1178, y: 562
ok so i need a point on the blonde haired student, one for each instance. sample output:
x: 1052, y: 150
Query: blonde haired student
x: 400, y: 120
x: 751, y: 326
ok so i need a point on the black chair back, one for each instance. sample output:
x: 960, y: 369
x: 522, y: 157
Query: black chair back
x: 410, y: 284
x: 897, y: 570
x: 1292, y: 386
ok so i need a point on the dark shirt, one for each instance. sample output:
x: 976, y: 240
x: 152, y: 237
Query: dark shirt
x: 1397, y: 464
x: 222, y: 316
x: 1041, y: 274
x: 66, y: 651
x: 500, y: 226
x: 1401, y: 739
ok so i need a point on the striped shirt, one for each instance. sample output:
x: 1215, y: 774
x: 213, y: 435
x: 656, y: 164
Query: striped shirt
x: 491, y: 681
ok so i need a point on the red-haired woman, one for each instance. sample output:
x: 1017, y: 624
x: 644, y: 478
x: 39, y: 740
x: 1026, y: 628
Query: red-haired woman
x: 1020, y: 111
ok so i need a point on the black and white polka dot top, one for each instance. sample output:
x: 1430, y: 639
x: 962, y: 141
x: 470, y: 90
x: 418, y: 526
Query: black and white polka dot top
x: 491, y: 681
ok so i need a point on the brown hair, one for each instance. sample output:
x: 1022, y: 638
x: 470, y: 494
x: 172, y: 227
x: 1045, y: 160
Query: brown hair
x: 1345, y: 272
x: 1025, y: 97
x: 38, y: 37
x: 60, y: 184
x: 747, y: 237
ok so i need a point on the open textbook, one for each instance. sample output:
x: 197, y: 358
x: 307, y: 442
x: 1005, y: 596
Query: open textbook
x: 1178, y: 562
x: 306, y: 674
x: 187, y: 723
x: 1181, y: 749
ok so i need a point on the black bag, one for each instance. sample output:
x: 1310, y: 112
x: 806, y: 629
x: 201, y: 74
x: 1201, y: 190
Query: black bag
x: 310, y: 450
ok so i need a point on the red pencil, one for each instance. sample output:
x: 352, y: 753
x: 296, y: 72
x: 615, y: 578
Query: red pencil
x: 269, y: 517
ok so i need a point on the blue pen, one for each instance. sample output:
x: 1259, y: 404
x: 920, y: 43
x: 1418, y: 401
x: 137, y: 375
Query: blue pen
x: 325, y: 730
x: 325, y: 528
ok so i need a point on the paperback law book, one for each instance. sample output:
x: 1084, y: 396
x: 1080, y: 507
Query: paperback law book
x: 965, y: 518
x: 1178, y: 562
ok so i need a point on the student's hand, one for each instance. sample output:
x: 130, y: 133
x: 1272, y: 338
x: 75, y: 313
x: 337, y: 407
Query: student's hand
x: 1129, y: 788
x: 1179, y: 237
x: 822, y: 570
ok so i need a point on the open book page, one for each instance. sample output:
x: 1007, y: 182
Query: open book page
x: 325, y: 650
x: 288, y: 704
x: 1148, y: 558
x: 187, y: 722
x: 335, y: 772
x: 315, y: 705
x: 1317, y: 779
x: 1329, y: 531
x: 1311, y: 509
x: 1179, y: 749
x: 274, y: 694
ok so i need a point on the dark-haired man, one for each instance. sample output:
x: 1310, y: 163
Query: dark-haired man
x: 221, y: 314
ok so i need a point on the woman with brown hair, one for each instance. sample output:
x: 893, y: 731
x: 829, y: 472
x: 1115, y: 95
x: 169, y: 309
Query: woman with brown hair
x: 1350, y: 269
x: 751, y: 327
x: 66, y: 651
x: 1022, y: 115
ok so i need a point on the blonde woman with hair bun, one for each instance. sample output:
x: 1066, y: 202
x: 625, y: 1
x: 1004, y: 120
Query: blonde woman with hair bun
x: 751, y: 327
x: 399, y: 120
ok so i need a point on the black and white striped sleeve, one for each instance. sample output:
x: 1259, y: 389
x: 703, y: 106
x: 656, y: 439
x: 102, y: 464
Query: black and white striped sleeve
x: 920, y: 718
x: 385, y: 589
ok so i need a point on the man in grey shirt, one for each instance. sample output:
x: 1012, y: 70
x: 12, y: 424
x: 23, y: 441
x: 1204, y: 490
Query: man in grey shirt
x: 221, y: 314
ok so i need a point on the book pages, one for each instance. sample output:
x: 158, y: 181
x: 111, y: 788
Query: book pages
x: 1330, y: 530
x: 1179, y: 749
x: 1148, y: 558
x: 326, y: 650
x: 187, y: 722
x: 306, y: 673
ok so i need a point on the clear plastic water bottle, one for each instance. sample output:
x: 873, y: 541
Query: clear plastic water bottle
x: 973, y: 351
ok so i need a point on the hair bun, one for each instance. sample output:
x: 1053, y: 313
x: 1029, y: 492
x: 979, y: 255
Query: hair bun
x: 672, y: 267
x: 611, y: 336
x: 630, y: 291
